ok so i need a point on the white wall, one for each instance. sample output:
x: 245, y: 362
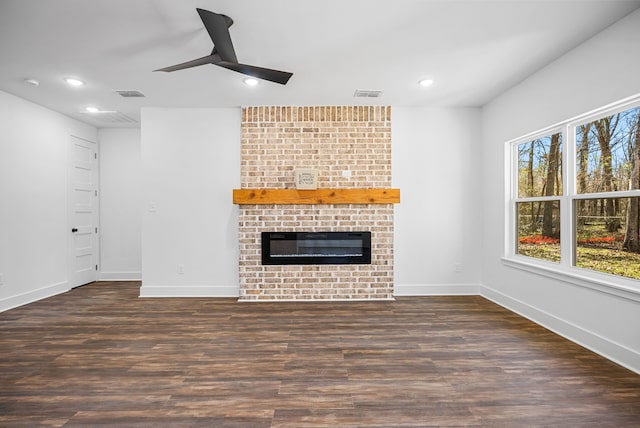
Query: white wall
x: 191, y: 160
x: 435, y: 166
x: 120, y: 204
x: 33, y: 199
x: 600, y: 71
x: 190, y: 165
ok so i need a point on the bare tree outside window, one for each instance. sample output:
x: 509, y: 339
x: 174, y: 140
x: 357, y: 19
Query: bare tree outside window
x: 608, y: 161
x: 602, y: 199
x: 539, y: 175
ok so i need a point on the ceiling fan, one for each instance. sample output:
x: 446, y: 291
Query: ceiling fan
x: 224, y: 55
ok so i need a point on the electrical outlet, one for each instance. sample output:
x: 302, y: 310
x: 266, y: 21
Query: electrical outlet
x: 180, y: 269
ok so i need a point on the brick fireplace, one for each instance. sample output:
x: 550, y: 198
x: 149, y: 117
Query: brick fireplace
x: 350, y: 147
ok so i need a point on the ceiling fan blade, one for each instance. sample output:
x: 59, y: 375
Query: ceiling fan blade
x: 276, y: 76
x: 224, y: 55
x: 209, y: 59
x: 217, y: 26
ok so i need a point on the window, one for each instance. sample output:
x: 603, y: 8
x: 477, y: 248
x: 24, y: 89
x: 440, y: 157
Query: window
x: 538, y: 206
x: 574, y: 196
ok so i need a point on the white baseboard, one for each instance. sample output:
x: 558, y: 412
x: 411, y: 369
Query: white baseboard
x: 294, y: 300
x: 189, y: 291
x: 34, y: 295
x: 436, y: 290
x: 120, y: 276
x: 613, y: 351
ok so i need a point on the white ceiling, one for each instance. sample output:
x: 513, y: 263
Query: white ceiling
x: 474, y: 49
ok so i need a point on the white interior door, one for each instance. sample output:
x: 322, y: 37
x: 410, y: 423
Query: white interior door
x: 83, y: 214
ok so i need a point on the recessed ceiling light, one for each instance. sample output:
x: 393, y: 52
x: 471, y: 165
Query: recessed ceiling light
x: 73, y: 81
x: 32, y: 82
x: 425, y: 83
x: 249, y: 81
x: 92, y: 109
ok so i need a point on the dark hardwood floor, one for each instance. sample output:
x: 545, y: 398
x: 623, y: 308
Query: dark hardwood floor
x: 101, y: 356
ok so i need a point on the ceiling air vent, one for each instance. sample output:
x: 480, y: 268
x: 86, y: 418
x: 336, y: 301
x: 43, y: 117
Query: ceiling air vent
x: 130, y: 94
x: 359, y: 93
x: 109, y: 117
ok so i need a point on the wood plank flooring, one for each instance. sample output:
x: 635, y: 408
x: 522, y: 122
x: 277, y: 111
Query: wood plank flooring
x: 101, y: 356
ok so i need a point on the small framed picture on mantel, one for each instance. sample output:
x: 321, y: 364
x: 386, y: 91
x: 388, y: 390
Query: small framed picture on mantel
x: 306, y: 179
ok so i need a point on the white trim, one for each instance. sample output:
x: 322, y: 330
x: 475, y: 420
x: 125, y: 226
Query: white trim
x: 189, y: 291
x: 565, y: 270
x: 537, y: 199
x: 510, y: 167
x: 298, y: 300
x: 609, y: 195
x: 120, y: 276
x: 33, y: 296
x: 609, y: 349
x: 604, y: 283
x: 436, y: 290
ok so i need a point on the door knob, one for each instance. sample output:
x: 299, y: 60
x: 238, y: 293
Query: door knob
x: 74, y: 230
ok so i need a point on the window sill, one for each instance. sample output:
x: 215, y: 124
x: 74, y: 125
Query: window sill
x: 620, y: 287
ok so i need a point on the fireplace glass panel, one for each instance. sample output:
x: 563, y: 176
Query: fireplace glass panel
x: 316, y: 247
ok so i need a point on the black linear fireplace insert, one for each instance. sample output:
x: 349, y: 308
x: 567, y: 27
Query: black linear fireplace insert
x: 316, y: 248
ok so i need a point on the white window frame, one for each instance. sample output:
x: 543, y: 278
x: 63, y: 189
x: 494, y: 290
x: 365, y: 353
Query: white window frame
x: 565, y: 270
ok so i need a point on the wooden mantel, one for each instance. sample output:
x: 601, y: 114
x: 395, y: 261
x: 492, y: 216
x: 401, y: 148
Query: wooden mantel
x: 315, y: 197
